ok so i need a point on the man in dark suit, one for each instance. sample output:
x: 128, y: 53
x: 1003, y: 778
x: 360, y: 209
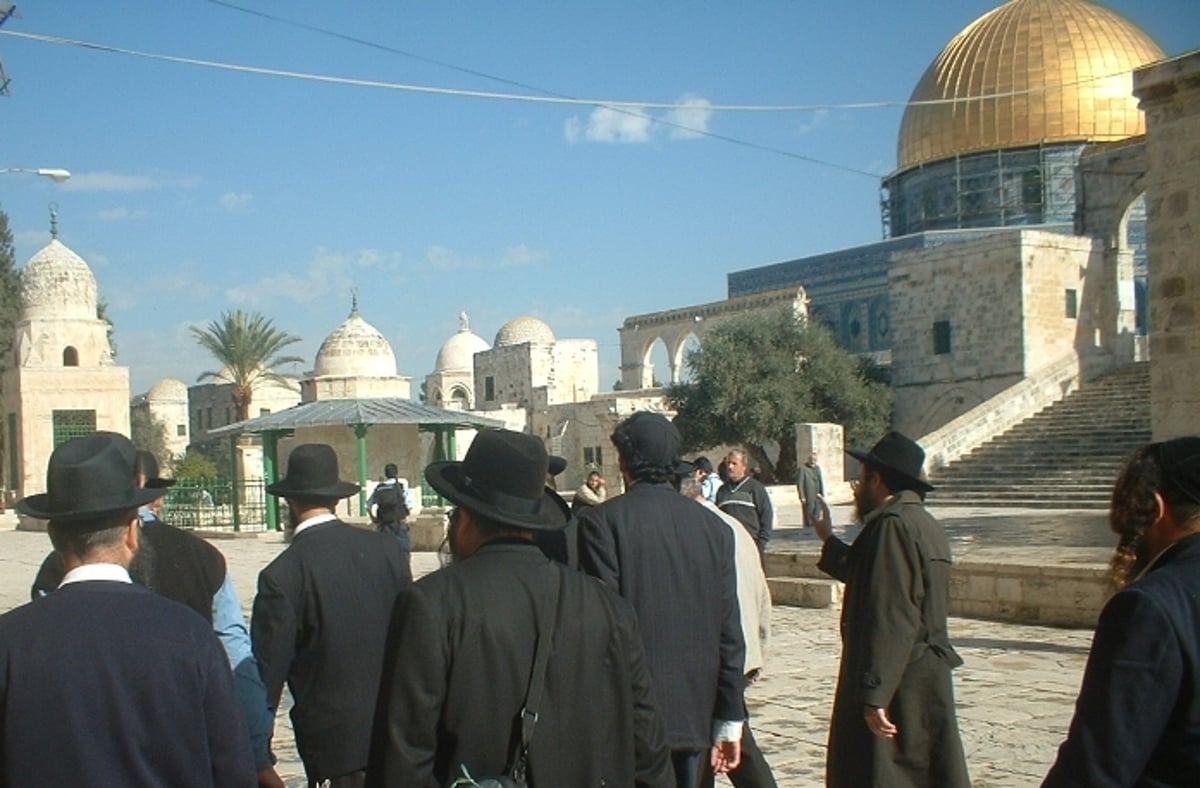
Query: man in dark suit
x: 320, y: 618
x: 457, y: 698
x: 893, y: 722
x: 104, y: 682
x: 674, y: 561
x: 182, y: 566
x: 1137, y: 719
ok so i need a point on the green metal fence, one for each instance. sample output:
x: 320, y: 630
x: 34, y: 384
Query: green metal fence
x: 217, y: 505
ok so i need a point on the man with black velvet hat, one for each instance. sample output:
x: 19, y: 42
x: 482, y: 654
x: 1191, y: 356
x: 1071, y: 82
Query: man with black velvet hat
x: 320, y: 618
x: 894, y: 720
x: 457, y: 698
x: 674, y: 561
x: 103, y: 682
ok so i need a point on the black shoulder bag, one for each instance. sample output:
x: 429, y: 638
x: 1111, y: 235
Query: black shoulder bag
x: 516, y: 774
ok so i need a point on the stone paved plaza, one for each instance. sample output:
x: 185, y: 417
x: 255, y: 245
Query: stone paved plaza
x: 1015, y: 692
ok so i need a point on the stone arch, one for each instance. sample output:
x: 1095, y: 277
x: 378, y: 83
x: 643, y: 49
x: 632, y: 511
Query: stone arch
x: 656, y: 351
x: 947, y: 407
x: 687, y: 342
x: 70, y: 356
x: 461, y: 395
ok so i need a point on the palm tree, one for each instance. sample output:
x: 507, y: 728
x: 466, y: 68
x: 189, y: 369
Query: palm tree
x: 248, y: 346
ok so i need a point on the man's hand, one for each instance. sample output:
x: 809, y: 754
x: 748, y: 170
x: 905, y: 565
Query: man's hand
x: 726, y: 756
x: 823, y: 523
x: 878, y: 722
x: 269, y: 778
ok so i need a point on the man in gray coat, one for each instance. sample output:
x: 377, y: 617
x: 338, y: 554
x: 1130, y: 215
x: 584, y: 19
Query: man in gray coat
x: 894, y: 722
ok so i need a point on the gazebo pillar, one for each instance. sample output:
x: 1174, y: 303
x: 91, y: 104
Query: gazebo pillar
x: 360, y: 434
x: 270, y: 454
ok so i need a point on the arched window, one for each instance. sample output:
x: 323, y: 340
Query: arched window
x: 70, y: 357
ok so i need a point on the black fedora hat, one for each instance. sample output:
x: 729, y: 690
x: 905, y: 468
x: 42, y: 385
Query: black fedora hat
x: 503, y: 478
x: 147, y: 467
x: 899, y: 454
x: 88, y: 477
x: 312, y: 472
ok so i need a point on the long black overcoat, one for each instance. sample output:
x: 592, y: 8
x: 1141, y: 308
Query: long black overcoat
x: 896, y: 653
x: 457, y: 670
x: 673, y: 559
x: 320, y: 622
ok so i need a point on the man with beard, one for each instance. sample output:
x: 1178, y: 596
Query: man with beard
x: 1137, y: 719
x: 181, y: 566
x: 746, y: 499
x: 507, y: 661
x: 894, y: 722
x: 320, y: 618
x: 101, y: 681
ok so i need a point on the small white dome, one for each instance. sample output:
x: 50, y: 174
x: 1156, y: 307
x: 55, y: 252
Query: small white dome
x: 355, y: 349
x: 168, y: 390
x: 524, y: 329
x: 56, y: 282
x: 458, y: 352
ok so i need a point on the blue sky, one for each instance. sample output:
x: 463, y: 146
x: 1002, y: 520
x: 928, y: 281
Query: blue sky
x: 197, y: 189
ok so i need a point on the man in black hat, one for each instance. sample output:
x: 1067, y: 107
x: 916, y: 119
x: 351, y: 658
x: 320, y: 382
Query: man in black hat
x: 893, y: 721
x: 182, y: 566
x: 320, y: 618
x: 674, y: 562
x: 103, y: 682
x: 465, y: 641
x: 1137, y: 719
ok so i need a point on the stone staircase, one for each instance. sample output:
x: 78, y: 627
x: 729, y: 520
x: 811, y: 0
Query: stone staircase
x: 1065, y: 456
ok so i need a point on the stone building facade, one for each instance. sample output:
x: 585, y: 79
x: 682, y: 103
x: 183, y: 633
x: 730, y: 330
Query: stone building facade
x: 63, y: 383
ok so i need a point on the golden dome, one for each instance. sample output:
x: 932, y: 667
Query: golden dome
x: 1060, y: 71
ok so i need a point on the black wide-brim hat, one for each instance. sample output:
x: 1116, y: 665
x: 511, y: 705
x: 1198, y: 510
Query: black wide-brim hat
x: 502, y: 478
x: 147, y: 466
x: 899, y: 454
x: 312, y: 472
x: 88, y: 477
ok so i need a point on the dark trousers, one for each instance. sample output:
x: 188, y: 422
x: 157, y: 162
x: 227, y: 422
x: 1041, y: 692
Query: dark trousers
x: 752, y: 772
x: 401, y: 533
x: 688, y: 765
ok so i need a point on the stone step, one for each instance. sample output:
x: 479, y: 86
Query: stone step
x: 804, y: 592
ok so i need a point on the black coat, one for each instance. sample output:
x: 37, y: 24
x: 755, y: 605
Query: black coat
x: 896, y: 653
x: 104, y: 683
x: 673, y: 559
x: 457, y: 670
x: 1137, y: 720
x: 320, y: 621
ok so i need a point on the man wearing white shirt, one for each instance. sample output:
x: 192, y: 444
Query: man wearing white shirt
x: 130, y: 688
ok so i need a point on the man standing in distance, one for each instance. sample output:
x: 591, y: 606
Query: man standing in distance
x: 103, y: 682
x: 457, y: 695
x: 894, y: 721
x: 810, y: 486
x: 674, y: 561
x: 746, y: 499
x: 320, y: 619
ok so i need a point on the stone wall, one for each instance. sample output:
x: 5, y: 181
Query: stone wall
x: 1170, y: 96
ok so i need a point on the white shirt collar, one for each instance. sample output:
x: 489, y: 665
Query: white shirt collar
x: 315, y: 520
x: 112, y: 572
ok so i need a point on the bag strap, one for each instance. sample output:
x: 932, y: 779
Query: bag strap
x: 547, y: 613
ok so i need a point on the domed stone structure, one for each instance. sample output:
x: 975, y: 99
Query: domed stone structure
x: 354, y: 362
x: 524, y: 329
x: 995, y: 127
x: 457, y: 354
x: 355, y: 349
x: 168, y: 390
x: 57, y: 283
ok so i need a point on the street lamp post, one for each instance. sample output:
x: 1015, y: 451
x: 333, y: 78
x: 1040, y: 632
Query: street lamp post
x: 53, y: 173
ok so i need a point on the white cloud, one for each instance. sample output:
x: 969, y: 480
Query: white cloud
x: 820, y: 118
x: 520, y: 255
x: 121, y: 214
x: 439, y: 258
x: 606, y: 124
x: 232, y: 201
x: 327, y: 273
x: 111, y: 182
x: 690, y: 119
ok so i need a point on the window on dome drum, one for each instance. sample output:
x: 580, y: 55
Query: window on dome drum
x: 181, y: 430
x: 70, y: 357
x: 69, y: 424
x: 1072, y: 303
x: 941, y: 337
x: 264, y: 411
x: 489, y: 388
